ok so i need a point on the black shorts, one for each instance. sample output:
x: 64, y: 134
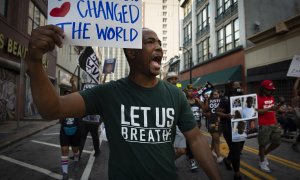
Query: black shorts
x: 66, y: 140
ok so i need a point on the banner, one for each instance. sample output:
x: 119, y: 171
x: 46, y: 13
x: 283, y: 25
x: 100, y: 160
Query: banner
x: 105, y: 23
x: 109, y: 66
x: 89, y: 62
x: 294, y: 70
x: 204, y: 92
x: 244, y: 122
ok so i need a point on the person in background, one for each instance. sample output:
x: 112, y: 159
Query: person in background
x: 296, y: 107
x: 180, y: 141
x: 195, y: 106
x: 131, y: 104
x: 233, y: 158
x: 284, y: 117
x: 214, y: 125
x: 269, y: 131
x: 69, y: 136
x: 90, y: 124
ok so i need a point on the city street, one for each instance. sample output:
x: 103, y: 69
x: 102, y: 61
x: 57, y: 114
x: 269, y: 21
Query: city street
x: 38, y: 157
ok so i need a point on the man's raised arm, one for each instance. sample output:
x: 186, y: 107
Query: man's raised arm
x: 202, y: 153
x: 49, y: 103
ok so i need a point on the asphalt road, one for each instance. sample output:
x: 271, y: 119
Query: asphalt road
x: 38, y: 158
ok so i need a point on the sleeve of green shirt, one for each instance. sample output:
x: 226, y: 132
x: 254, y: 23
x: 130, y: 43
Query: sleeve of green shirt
x: 93, y: 99
x: 186, y: 120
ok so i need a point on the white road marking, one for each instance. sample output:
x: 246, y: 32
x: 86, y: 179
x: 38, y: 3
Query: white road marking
x: 50, y: 134
x: 38, y: 169
x: 55, y: 145
x: 88, y: 168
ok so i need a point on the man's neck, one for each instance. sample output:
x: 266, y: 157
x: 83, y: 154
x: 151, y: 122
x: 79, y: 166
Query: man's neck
x: 143, y: 81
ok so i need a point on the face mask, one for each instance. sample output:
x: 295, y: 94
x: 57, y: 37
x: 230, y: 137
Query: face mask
x: 237, y: 91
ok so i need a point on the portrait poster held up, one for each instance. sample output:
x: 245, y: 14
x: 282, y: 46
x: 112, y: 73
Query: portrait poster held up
x: 106, y: 23
x: 244, y: 123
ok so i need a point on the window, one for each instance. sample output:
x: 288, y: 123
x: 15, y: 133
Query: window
x: 203, y: 50
x: 164, y: 38
x: 164, y: 13
x: 236, y: 32
x: 219, y: 7
x: 228, y: 37
x: 203, y: 19
x: 165, y: 32
x: 165, y: 52
x: 164, y: 1
x: 223, y: 5
x: 199, y: 22
x: 164, y: 45
x: 187, y: 58
x: 227, y: 4
x: 164, y: 20
x: 35, y: 18
x: 164, y: 7
x: 188, y: 7
x: 3, y: 6
x: 220, y: 37
x: 199, y: 52
x: 187, y: 33
x: 164, y: 26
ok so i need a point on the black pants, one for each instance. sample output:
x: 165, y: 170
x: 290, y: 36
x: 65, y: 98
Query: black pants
x: 234, y: 147
x: 85, y: 128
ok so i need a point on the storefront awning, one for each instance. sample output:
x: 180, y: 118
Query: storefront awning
x: 217, y: 78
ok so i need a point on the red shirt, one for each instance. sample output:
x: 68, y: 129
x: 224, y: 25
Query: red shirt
x: 268, y: 118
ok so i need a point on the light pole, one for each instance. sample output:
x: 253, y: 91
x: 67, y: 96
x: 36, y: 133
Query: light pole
x: 190, y: 62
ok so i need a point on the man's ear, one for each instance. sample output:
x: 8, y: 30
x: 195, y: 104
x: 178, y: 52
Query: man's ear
x: 130, y: 53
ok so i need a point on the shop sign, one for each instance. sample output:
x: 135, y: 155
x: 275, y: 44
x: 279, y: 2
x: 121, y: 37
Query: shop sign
x: 11, y: 46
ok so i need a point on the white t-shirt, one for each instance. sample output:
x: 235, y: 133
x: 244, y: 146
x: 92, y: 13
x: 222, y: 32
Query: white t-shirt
x: 248, y: 112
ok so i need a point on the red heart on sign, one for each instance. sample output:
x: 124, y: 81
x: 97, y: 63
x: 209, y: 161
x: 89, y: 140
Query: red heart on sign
x: 62, y: 11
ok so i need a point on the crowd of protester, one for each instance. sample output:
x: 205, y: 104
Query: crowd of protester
x: 276, y: 119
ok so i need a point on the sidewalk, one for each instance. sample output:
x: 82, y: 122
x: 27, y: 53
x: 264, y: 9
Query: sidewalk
x: 10, y: 133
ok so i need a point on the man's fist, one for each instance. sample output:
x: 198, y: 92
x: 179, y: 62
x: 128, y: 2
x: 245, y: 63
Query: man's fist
x: 43, y: 39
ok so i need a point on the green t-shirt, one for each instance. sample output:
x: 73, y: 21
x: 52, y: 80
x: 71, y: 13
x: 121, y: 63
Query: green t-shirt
x: 140, y: 124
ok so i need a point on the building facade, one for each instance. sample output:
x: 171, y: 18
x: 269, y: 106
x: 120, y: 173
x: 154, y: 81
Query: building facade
x: 17, y: 19
x: 271, y: 55
x: 215, y: 36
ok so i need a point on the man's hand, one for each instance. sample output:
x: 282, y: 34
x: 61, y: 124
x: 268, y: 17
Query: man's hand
x: 43, y: 39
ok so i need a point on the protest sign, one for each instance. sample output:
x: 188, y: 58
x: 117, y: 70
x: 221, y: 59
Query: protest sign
x: 244, y: 122
x: 205, y: 91
x: 109, y: 66
x: 89, y: 62
x: 294, y: 70
x: 105, y: 23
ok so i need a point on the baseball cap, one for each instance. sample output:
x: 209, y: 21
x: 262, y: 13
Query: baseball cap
x: 171, y: 75
x: 268, y: 85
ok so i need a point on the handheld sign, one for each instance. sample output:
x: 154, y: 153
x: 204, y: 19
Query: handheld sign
x: 109, y: 66
x: 244, y: 123
x: 294, y: 70
x: 88, y: 61
x: 105, y: 23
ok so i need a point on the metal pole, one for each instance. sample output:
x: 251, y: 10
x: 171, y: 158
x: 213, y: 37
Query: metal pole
x: 190, y: 56
x: 78, y: 79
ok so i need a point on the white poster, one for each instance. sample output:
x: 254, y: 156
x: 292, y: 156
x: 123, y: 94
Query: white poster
x: 244, y: 122
x: 294, y: 70
x: 105, y: 23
